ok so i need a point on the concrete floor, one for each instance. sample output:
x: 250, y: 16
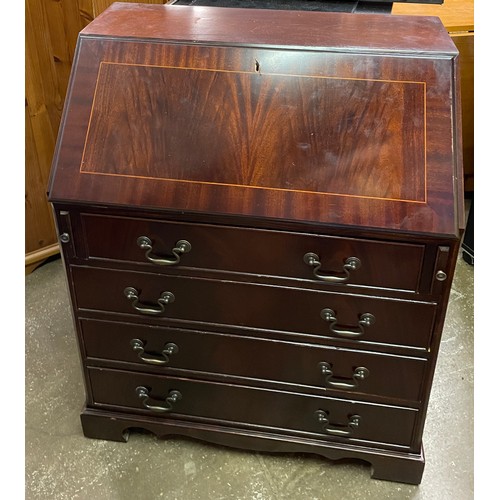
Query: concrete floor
x: 61, y: 463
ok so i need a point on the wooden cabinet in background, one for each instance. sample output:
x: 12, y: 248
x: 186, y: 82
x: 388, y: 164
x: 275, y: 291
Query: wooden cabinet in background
x: 51, y: 30
x: 458, y: 18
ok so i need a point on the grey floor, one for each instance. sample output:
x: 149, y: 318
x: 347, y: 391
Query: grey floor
x: 61, y: 463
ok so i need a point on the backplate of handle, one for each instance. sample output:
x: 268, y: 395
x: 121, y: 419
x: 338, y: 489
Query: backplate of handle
x: 337, y: 429
x: 365, y: 320
x: 359, y: 373
x: 133, y: 295
x: 181, y: 247
x: 158, y: 406
x: 158, y: 359
x: 350, y: 264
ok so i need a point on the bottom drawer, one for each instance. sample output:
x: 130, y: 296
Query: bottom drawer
x: 177, y: 397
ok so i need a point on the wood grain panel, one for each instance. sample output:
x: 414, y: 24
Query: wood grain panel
x: 35, y: 204
x: 436, y: 214
x: 63, y: 25
x: 42, y: 115
x: 389, y: 376
x: 86, y: 10
x: 253, y: 251
x: 250, y: 306
x: 328, y: 135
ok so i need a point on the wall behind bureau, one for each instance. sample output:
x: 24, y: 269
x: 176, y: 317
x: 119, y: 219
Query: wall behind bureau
x: 51, y: 31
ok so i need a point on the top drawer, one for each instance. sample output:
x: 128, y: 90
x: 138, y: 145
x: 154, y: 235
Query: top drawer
x: 330, y: 259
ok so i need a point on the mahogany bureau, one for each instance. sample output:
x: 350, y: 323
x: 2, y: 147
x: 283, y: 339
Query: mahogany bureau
x: 259, y: 214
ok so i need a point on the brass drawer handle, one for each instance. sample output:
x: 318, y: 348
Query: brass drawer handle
x: 335, y: 429
x: 350, y: 264
x: 365, y: 320
x: 133, y: 295
x: 153, y: 358
x: 360, y: 373
x: 173, y: 397
x: 181, y: 247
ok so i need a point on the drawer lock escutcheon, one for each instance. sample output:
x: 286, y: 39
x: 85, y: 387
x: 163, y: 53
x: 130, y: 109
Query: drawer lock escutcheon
x: 350, y: 264
x: 150, y: 358
x: 360, y: 373
x: 181, y: 247
x: 133, y: 295
x: 336, y: 429
x: 158, y: 406
x: 365, y: 320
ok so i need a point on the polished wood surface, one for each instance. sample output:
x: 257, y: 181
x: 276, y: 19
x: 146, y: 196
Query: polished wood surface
x: 398, y: 322
x: 291, y: 365
x: 209, y: 401
x: 171, y: 164
x: 322, y: 149
x: 273, y: 28
x: 225, y: 248
x: 457, y: 17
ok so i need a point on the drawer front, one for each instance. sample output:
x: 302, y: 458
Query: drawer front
x: 260, y: 252
x: 341, y: 370
x: 176, y: 397
x: 331, y: 314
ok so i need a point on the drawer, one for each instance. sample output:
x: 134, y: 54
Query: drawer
x: 339, y: 316
x: 172, y: 397
x: 260, y: 252
x: 343, y: 370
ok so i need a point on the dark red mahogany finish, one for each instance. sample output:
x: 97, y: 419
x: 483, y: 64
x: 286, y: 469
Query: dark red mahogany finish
x: 261, y: 207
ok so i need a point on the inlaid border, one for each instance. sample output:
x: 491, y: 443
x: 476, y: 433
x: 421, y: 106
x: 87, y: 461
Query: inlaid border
x: 267, y: 188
